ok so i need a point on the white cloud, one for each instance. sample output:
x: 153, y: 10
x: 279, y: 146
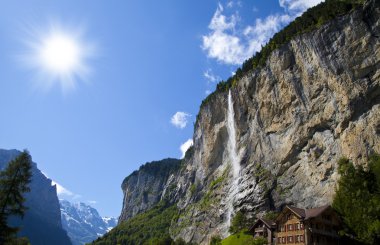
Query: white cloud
x: 221, y: 44
x: 62, y: 192
x: 210, y: 76
x: 92, y: 202
x: 180, y: 119
x: 298, y: 5
x: 230, y: 4
x: 232, y: 44
x: 185, y: 146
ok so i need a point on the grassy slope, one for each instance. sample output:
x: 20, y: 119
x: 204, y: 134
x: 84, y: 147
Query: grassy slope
x: 240, y: 238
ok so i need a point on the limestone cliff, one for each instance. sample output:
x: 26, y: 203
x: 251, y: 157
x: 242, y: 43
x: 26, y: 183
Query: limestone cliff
x: 316, y: 99
x: 147, y: 186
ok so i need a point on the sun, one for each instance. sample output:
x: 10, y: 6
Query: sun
x: 59, y: 56
x: 60, y: 53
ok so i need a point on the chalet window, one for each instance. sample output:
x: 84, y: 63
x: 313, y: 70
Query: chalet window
x: 283, y: 240
x: 279, y: 240
x: 290, y: 238
x: 290, y: 227
x: 297, y: 238
x: 301, y: 226
x: 283, y: 228
x: 297, y: 226
x: 289, y: 216
x: 302, y: 238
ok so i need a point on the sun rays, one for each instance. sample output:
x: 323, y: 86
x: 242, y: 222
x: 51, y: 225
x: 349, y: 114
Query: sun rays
x: 58, y: 55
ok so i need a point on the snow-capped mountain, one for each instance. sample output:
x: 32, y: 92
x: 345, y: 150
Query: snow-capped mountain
x: 83, y: 222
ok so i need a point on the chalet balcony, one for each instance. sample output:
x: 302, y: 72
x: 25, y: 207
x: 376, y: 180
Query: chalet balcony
x: 259, y: 230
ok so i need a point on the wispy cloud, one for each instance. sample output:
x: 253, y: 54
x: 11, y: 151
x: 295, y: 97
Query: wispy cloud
x: 64, y: 193
x: 180, y: 119
x: 298, y: 5
x: 232, y: 4
x: 221, y: 43
x: 92, y: 202
x: 185, y: 146
x: 230, y: 43
x: 210, y: 76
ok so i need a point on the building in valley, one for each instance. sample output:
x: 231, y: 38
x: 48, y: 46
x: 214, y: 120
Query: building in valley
x: 264, y: 228
x: 316, y: 226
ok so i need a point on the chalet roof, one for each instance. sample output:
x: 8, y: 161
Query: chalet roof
x: 300, y: 212
x: 267, y: 222
x: 314, y: 212
x: 306, y: 213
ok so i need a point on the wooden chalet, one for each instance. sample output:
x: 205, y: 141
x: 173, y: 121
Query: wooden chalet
x: 316, y: 226
x: 264, y: 228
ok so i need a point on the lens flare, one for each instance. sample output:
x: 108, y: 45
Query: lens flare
x: 60, y: 56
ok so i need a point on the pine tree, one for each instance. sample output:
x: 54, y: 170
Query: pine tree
x: 357, y: 200
x: 239, y: 222
x: 14, y: 182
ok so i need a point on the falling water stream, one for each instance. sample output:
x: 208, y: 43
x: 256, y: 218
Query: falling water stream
x: 234, y: 160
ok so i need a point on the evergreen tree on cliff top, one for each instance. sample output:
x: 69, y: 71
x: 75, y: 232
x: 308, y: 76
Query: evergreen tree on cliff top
x: 357, y: 200
x: 14, y: 181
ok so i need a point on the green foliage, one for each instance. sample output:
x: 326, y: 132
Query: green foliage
x: 312, y: 19
x: 357, y: 200
x: 241, y: 238
x: 216, y: 240
x: 157, y: 168
x: 259, y: 241
x: 238, y: 223
x: 217, y: 181
x: 151, y: 227
x: 193, y: 189
x: 14, y: 182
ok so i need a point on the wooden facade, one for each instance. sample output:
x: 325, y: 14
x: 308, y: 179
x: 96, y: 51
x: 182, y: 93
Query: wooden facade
x: 317, y: 226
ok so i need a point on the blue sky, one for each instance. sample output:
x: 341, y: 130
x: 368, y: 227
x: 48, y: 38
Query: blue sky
x: 149, y: 64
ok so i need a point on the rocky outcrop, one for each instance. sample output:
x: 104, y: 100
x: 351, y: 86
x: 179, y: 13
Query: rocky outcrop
x: 42, y: 220
x: 146, y: 187
x: 316, y: 100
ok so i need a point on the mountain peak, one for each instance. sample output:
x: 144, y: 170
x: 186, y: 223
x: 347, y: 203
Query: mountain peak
x: 83, y: 222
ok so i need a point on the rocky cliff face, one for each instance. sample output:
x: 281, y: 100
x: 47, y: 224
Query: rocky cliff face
x: 42, y: 220
x: 316, y: 100
x: 147, y: 186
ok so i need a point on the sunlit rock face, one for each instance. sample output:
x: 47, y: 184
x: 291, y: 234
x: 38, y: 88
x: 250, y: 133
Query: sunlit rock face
x: 147, y: 186
x: 316, y: 100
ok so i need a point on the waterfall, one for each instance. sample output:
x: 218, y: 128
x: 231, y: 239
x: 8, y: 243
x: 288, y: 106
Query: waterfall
x: 233, y: 155
x: 234, y: 160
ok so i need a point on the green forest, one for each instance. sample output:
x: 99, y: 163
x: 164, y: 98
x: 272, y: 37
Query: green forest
x: 151, y: 227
